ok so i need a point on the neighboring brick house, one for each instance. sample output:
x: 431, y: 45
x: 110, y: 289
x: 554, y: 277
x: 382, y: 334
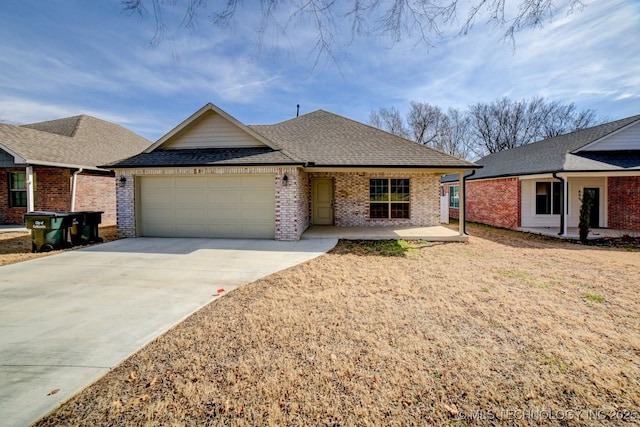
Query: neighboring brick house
x: 53, y: 166
x: 213, y: 176
x: 540, y: 185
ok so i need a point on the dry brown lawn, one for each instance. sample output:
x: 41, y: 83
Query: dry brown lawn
x: 16, y: 246
x: 507, y: 329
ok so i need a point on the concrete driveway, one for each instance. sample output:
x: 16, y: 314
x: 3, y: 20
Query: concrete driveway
x: 66, y: 319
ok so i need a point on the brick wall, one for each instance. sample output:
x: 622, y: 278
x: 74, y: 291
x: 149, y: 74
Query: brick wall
x: 7, y: 214
x: 96, y: 191
x: 53, y: 193
x: 494, y: 202
x: 624, y: 202
x: 292, y: 216
x: 53, y: 189
x: 351, y: 204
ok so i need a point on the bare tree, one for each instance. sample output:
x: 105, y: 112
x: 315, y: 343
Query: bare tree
x: 505, y: 124
x: 426, y: 123
x: 456, y: 137
x: 394, y: 19
x: 389, y: 119
x: 484, y: 127
x: 429, y: 125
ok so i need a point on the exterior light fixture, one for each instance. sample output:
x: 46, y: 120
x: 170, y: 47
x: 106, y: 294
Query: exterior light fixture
x: 123, y: 181
x: 285, y: 180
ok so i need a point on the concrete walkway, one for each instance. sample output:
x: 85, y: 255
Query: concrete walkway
x: 432, y: 234
x: 66, y: 319
x: 574, y: 234
x: 4, y: 228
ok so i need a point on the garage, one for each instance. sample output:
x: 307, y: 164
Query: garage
x: 222, y: 206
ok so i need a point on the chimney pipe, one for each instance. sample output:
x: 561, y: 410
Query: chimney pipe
x: 297, y: 110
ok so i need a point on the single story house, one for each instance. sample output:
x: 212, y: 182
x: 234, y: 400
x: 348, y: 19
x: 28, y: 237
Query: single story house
x: 53, y: 166
x: 540, y: 185
x: 213, y: 176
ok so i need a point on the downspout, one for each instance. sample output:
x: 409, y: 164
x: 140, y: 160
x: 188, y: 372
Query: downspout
x: 464, y: 200
x: 31, y: 198
x: 562, y: 196
x: 74, y: 183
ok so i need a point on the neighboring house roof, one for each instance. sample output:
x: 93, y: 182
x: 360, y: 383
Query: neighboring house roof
x: 318, y: 139
x: 321, y: 138
x: 564, y: 153
x: 79, y: 141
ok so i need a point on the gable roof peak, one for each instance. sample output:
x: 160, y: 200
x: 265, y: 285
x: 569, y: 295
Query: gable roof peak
x: 196, y: 117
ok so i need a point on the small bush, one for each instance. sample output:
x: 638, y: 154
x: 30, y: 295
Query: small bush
x: 585, y: 216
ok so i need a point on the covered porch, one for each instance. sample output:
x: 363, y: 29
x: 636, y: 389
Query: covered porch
x: 432, y: 234
x: 572, y: 232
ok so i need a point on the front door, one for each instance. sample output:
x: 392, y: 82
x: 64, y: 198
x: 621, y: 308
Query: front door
x: 322, y: 201
x: 594, y: 216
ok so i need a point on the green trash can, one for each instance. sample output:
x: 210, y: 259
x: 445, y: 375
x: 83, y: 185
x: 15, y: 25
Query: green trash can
x: 49, y: 230
x: 84, y: 228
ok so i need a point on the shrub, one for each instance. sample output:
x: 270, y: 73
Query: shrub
x: 585, y: 216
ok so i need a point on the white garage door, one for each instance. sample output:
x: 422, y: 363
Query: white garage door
x: 229, y: 206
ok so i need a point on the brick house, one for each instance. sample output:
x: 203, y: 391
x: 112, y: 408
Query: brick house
x: 213, y: 176
x: 539, y: 186
x: 53, y: 166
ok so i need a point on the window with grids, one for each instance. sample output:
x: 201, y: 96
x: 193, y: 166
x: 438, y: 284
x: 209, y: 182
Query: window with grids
x: 389, y: 198
x: 454, y: 197
x: 17, y: 190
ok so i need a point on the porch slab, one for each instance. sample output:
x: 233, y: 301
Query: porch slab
x: 572, y: 232
x: 432, y: 234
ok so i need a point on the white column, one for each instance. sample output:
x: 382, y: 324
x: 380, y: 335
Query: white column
x: 30, y: 189
x: 461, y: 195
x: 565, y: 205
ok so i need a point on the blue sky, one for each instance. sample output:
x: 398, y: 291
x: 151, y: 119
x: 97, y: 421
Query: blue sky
x: 60, y: 58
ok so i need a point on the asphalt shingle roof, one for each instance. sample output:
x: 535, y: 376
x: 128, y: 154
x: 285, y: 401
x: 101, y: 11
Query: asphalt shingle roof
x: 79, y: 141
x: 555, y: 155
x: 327, y: 139
x: 208, y: 156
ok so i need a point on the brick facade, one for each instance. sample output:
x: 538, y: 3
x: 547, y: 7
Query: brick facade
x: 624, y: 202
x: 292, y: 201
x: 96, y: 192
x: 494, y: 202
x: 351, y: 204
x: 53, y: 193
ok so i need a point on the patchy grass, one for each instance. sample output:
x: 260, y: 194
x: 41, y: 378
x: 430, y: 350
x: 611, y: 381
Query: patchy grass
x: 376, y: 247
x: 453, y: 334
x: 594, y: 298
x: 16, y: 246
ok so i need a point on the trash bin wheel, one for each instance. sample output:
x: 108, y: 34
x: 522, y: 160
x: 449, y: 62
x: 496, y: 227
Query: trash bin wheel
x: 46, y: 248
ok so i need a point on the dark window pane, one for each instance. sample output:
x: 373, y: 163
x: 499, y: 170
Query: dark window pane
x: 557, y: 197
x: 18, y: 181
x: 378, y: 190
x: 400, y: 190
x: 19, y: 199
x: 454, y: 198
x: 379, y: 210
x: 399, y: 210
x: 543, y: 198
